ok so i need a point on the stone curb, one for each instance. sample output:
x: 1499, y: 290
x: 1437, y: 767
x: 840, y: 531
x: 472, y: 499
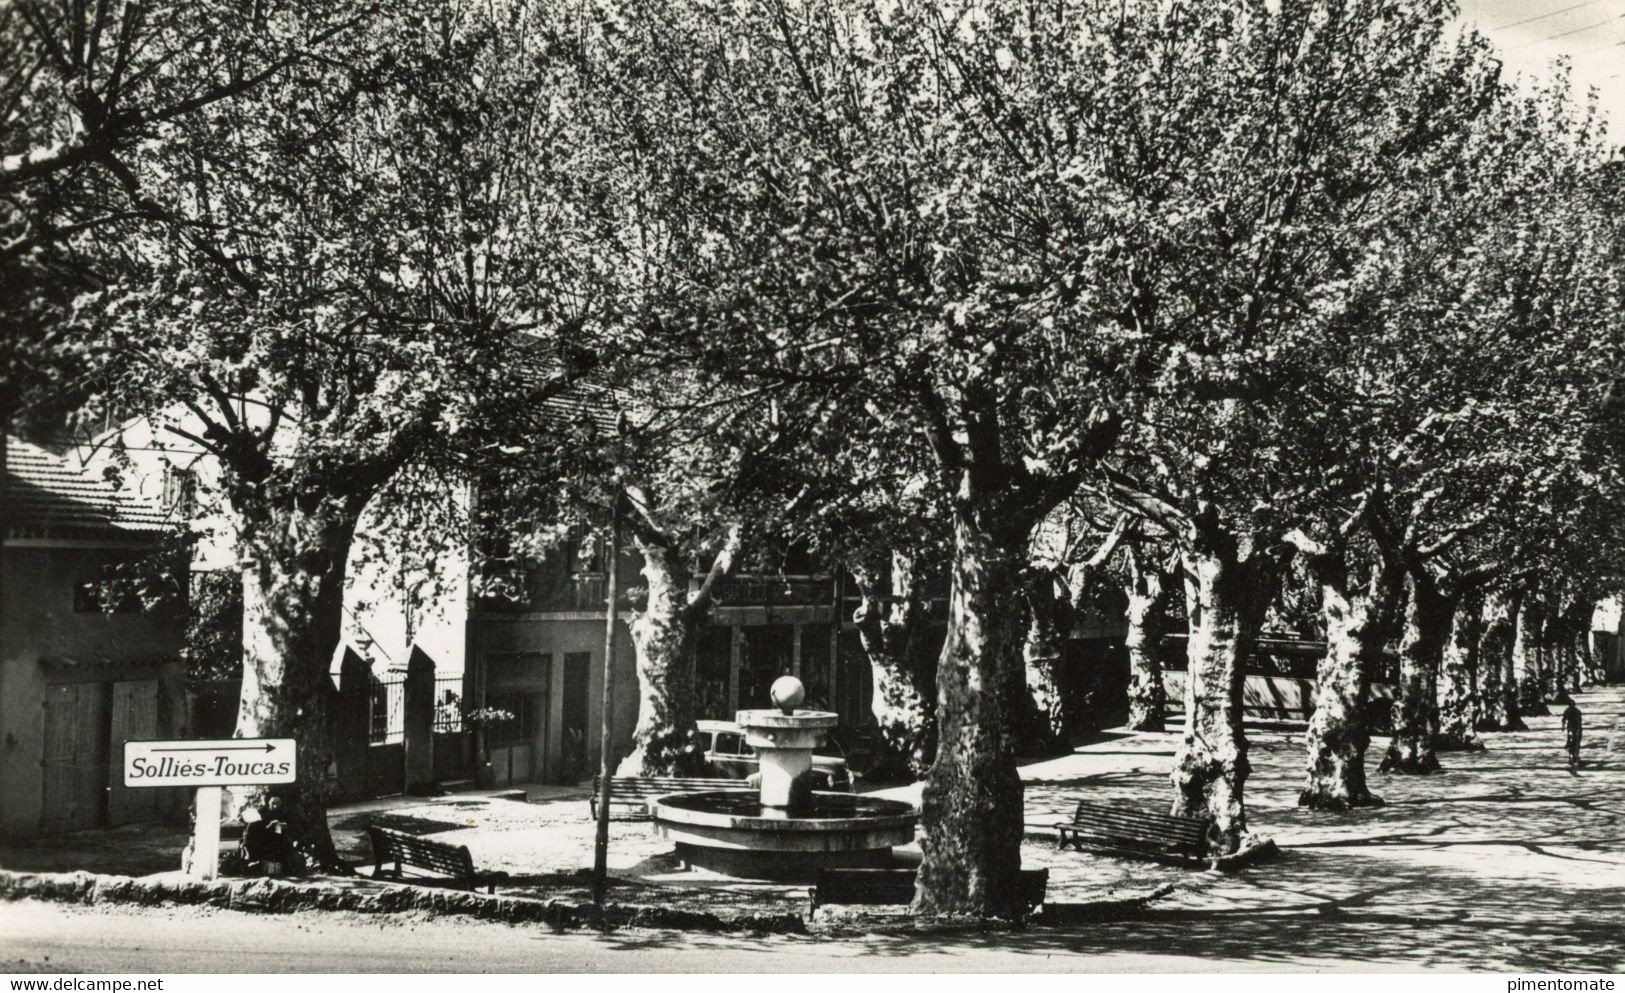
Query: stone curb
x: 281, y: 896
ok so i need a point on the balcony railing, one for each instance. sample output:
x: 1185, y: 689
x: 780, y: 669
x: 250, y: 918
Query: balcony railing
x: 774, y: 591
x: 586, y: 593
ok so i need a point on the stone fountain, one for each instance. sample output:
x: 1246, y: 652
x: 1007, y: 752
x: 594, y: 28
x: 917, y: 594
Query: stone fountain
x: 784, y: 830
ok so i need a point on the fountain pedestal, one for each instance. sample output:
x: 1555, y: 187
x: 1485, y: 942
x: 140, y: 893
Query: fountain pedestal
x: 784, y: 743
x: 784, y: 830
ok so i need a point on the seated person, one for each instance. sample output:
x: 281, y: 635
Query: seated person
x: 265, y: 840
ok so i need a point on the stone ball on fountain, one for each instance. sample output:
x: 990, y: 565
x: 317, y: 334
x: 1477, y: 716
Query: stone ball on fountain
x: 787, y: 693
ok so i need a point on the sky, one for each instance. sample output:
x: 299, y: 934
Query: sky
x: 1531, y: 33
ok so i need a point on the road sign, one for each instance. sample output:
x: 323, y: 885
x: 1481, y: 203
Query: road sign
x: 226, y: 762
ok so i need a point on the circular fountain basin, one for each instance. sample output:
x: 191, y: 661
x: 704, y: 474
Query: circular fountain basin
x: 733, y: 832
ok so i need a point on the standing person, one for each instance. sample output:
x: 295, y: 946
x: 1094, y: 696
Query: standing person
x: 1571, y: 730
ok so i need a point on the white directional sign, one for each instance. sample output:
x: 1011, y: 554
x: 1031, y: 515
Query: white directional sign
x: 226, y: 762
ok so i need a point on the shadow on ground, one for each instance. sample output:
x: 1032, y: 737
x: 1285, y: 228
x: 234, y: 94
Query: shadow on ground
x: 1503, y: 861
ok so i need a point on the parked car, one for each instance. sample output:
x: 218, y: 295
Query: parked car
x: 729, y: 756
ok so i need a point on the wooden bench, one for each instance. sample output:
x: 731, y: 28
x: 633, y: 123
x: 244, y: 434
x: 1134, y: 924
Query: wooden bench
x: 1138, y: 834
x: 882, y: 886
x: 629, y: 796
x: 450, y: 863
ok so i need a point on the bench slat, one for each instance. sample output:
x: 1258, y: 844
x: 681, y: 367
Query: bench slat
x: 1129, y: 813
x: 1182, y: 824
x: 1073, y: 835
x: 405, y: 850
x: 1139, y: 829
x: 1132, y: 832
x: 1139, y: 833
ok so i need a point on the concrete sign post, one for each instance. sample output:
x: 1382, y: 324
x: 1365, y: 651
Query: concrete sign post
x: 206, y: 766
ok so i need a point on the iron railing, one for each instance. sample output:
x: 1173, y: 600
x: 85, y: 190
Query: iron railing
x: 448, y: 705
x: 386, y: 711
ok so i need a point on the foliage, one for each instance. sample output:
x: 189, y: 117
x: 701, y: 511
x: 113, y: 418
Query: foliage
x: 88, y: 89
x: 214, y: 626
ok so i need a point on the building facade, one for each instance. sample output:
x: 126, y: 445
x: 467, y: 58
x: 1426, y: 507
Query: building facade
x: 538, y: 653
x: 90, y: 654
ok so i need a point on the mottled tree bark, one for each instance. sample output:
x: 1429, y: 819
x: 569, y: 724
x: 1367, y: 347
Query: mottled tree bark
x: 971, y: 818
x: 1526, y: 657
x: 1590, y: 662
x: 1226, y: 597
x: 1570, y: 647
x: 1458, y: 691
x: 1357, y: 619
x: 1428, y: 615
x: 1551, y: 652
x: 1054, y: 598
x: 890, y: 618
x: 294, y: 561
x: 663, y: 640
x: 1599, y: 662
x: 1146, y: 697
x: 1498, y: 691
x: 1047, y: 720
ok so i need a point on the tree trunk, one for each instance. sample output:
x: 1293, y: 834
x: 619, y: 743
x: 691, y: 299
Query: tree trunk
x: 1570, y: 647
x: 1339, y: 731
x: 1458, y: 690
x: 1553, y: 655
x: 971, y: 816
x: 294, y: 561
x: 1498, y: 691
x: 1550, y: 623
x: 904, y: 699
x: 663, y: 639
x: 1226, y: 597
x: 1146, y: 696
x: 1590, y: 665
x: 1428, y: 615
x: 1047, y: 718
x: 1526, y: 657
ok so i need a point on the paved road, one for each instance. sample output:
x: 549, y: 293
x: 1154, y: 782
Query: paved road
x: 65, y: 939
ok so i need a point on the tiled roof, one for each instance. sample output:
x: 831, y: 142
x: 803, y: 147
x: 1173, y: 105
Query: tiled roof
x: 585, y: 402
x: 582, y: 401
x: 50, y: 496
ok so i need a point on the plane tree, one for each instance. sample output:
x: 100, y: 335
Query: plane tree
x: 885, y: 520
x: 85, y: 86
x: 705, y: 478
x: 853, y: 232
x: 973, y: 220
x: 362, y: 257
x: 1249, y: 450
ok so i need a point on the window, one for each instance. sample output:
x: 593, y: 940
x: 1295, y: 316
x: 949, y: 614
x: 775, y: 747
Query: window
x: 727, y: 744
x: 522, y: 728
x: 125, y: 585
x: 588, y: 559
x: 798, y: 561
x: 514, y: 670
x: 705, y: 741
x: 105, y: 598
x: 180, y: 491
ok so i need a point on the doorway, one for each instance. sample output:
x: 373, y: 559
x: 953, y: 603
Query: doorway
x: 577, y: 727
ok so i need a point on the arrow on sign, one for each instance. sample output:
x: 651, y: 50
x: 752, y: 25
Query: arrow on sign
x: 244, y: 748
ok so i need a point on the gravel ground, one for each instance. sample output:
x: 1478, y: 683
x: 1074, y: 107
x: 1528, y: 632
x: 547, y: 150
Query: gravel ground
x: 1504, y: 860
